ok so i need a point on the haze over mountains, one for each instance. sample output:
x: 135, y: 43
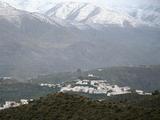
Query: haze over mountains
x: 75, y: 35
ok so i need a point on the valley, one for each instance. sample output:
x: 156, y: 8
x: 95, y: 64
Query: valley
x: 79, y: 60
x: 101, y: 83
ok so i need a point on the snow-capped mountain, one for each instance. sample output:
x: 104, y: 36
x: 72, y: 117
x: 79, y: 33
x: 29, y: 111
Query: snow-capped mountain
x: 144, y: 11
x: 87, y: 14
x: 25, y: 35
x: 31, y: 5
x: 150, y: 15
x: 90, y: 14
x: 16, y: 16
x: 31, y: 43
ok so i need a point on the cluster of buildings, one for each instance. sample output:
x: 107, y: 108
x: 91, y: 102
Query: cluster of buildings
x: 141, y: 92
x: 5, y: 78
x: 50, y: 85
x: 10, y: 104
x: 98, y: 87
x: 95, y: 87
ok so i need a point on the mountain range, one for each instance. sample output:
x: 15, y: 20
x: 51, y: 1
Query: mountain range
x: 146, y: 11
x: 88, y: 13
x: 73, y: 35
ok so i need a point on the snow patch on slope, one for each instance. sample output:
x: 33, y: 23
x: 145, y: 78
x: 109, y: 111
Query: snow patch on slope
x: 88, y: 13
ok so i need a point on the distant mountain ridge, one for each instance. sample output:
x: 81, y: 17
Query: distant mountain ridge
x: 145, y: 13
x: 32, y: 44
x: 89, y: 14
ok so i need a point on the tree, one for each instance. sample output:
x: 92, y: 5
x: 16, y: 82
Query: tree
x: 79, y: 72
x: 156, y: 92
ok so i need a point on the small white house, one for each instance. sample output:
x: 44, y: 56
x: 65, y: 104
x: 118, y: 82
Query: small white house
x: 24, y: 101
x: 90, y: 75
x: 1, y: 108
x: 148, y: 93
x: 9, y: 104
x: 140, y: 92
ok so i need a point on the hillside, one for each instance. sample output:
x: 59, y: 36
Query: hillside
x: 17, y: 91
x: 72, y: 107
x: 145, y: 78
x: 137, y: 77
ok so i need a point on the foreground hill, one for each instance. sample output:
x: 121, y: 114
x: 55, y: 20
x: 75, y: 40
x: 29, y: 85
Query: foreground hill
x: 72, y: 107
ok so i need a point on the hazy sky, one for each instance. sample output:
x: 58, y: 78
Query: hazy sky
x: 99, y: 2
